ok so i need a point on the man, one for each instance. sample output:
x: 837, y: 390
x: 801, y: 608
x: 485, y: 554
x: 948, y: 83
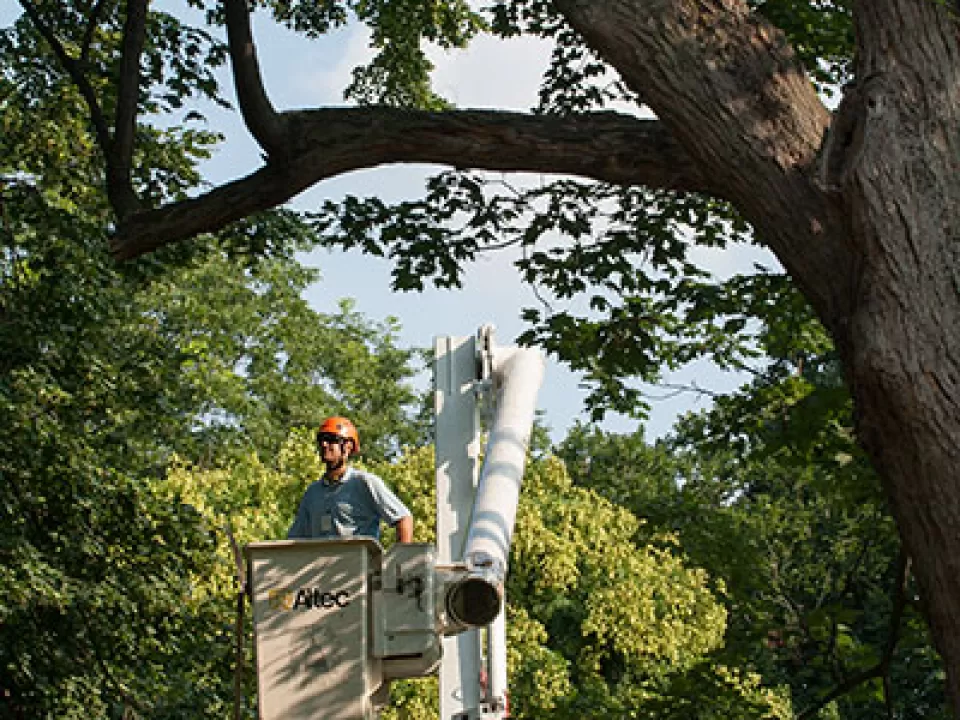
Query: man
x: 346, y: 501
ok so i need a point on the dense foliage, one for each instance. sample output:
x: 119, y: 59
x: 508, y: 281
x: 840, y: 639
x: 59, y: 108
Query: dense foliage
x: 769, y: 492
x: 109, y: 374
x: 107, y: 379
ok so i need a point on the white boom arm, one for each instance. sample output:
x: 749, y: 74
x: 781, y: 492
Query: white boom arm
x: 516, y: 374
x: 475, y: 518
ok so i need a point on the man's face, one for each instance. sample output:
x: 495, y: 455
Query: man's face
x: 333, y: 449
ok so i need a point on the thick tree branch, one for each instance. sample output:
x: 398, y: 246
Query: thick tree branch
x: 325, y: 143
x: 120, y: 159
x: 728, y: 86
x: 263, y: 121
x: 723, y: 82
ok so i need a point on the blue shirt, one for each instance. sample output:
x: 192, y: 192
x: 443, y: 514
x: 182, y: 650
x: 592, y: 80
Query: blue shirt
x: 353, y: 506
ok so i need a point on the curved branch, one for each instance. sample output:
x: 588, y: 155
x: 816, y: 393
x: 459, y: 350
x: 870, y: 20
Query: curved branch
x: 75, y: 71
x: 323, y: 143
x: 263, y: 121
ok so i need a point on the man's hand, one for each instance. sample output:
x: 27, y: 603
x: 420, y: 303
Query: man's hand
x: 405, y: 529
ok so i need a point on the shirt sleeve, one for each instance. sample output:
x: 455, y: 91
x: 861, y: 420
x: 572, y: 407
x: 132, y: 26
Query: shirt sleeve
x: 390, y: 508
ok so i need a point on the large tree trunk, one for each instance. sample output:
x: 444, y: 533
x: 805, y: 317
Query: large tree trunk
x: 869, y: 229
x: 901, y: 346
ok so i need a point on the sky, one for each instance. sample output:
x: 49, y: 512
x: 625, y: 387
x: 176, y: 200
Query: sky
x: 492, y: 73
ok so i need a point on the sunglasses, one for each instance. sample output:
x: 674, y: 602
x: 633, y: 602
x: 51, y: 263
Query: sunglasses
x: 330, y: 439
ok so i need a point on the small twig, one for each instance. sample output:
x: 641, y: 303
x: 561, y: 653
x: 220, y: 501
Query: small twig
x: 502, y: 180
x: 88, y: 34
x: 888, y: 696
x: 238, y: 627
x: 680, y: 388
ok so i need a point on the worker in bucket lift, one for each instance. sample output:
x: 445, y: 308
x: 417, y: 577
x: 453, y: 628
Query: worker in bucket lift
x: 347, y: 502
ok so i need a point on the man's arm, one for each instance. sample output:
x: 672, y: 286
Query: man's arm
x: 405, y: 529
x: 389, y: 507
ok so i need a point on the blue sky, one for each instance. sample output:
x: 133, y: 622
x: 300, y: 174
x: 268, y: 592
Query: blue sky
x: 492, y: 73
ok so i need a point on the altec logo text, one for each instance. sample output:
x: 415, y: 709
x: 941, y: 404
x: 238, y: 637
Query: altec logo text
x: 306, y: 599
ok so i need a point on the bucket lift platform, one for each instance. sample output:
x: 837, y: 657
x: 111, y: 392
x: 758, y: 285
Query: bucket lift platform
x: 336, y: 620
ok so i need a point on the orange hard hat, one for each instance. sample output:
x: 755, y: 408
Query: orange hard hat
x: 341, y: 427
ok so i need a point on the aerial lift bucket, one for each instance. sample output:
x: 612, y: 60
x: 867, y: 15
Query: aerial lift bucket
x: 312, y: 620
x: 336, y: 620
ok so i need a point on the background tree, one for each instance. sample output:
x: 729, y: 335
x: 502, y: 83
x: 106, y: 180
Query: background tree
x: 600, y: 622
x: 769, y: 492
x: 109, y: 373
x: 92, y: 582
x: 261, y: 362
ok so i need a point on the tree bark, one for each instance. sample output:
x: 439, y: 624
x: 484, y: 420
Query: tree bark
x: 901, y: 342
